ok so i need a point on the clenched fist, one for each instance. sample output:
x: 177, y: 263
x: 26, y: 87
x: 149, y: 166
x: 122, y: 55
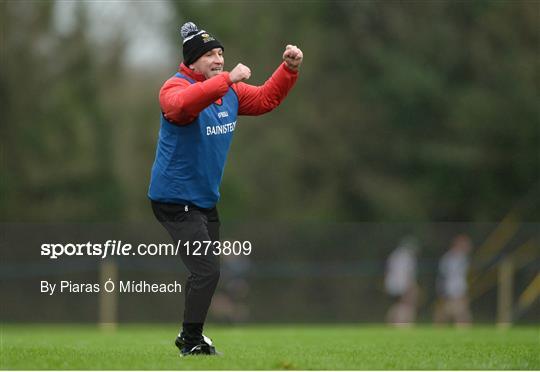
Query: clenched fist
x: 239, y: 73
x: 293, y: 56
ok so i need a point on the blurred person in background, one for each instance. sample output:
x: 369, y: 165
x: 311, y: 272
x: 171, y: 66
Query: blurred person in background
x: 199, y: 109
x: 230, y: 301
x: 453, y: 304
x: 400, y: 282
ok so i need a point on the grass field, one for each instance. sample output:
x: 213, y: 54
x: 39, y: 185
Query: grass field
x: 272, y: 347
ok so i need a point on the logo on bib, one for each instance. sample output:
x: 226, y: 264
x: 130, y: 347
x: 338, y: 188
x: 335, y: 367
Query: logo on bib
x: 220, y: 129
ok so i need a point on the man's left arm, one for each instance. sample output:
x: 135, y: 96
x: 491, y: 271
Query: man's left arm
x: 257, y: 100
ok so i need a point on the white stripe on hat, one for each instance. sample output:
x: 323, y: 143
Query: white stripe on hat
x: 192, y: 36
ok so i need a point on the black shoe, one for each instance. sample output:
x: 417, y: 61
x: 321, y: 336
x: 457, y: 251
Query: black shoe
x: 203, y: 347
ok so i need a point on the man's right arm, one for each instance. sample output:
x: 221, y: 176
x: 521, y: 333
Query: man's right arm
x: 181, y: 102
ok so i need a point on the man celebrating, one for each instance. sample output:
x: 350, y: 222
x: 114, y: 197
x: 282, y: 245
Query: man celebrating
x: 199, y: 109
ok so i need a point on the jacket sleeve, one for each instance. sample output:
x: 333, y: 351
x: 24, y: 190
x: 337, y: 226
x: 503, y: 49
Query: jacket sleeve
x: 181, y: 102
x: 257, y: 100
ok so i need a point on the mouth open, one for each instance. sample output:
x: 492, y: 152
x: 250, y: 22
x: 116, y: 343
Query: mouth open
x: 218, y: 69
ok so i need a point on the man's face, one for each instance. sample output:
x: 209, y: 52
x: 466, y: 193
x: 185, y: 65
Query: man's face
x: 210, y: 63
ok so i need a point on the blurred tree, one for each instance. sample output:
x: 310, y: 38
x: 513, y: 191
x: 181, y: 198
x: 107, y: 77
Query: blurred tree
x: 55, y: 137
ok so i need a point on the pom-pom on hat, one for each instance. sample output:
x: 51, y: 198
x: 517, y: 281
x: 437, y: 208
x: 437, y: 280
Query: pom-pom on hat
x: 196, y: 42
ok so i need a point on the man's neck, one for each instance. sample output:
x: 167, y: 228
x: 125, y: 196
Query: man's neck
x: 197, y: 76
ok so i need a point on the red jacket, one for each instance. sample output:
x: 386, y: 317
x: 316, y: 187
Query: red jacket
x: 181, y: 102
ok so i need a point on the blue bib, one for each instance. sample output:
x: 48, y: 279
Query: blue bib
x: 190, y: 158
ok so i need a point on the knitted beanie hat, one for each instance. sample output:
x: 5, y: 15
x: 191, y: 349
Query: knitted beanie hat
x: 196, y: 42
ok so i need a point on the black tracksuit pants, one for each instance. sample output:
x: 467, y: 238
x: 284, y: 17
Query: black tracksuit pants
x: 189, y: 224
